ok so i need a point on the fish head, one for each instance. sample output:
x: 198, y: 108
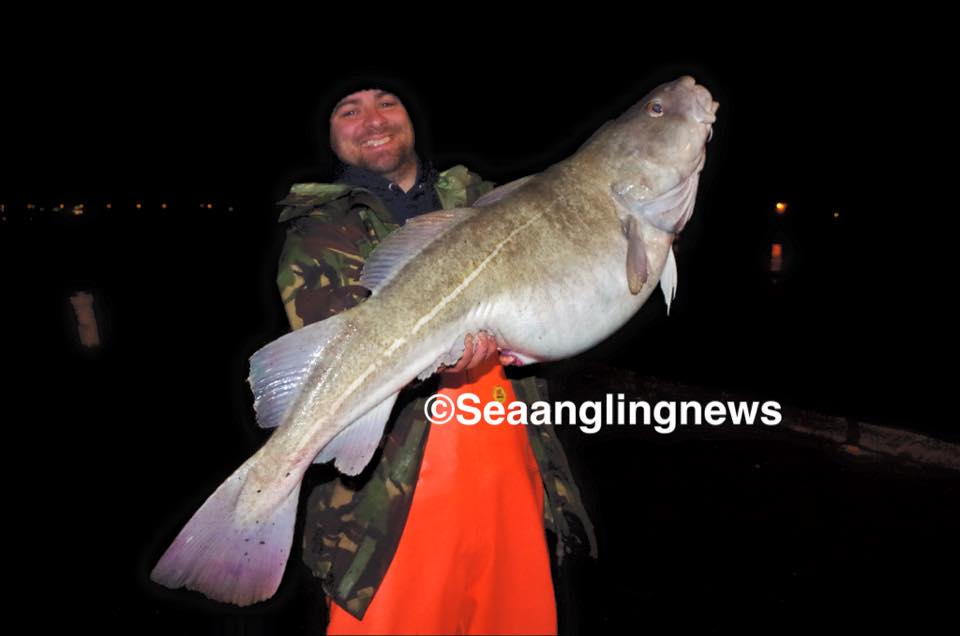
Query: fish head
x: 669, y: 128
x: 656, y: 151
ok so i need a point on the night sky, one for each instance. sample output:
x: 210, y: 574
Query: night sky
x: 186, y: 294
x: 847, y: 320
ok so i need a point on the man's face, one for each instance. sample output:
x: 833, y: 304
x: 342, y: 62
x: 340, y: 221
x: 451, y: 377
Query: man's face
x: 371, y: 129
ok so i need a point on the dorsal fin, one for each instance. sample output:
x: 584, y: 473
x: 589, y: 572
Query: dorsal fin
x: 498, y: 193
x: 405, y: 243
x: 279, y: 369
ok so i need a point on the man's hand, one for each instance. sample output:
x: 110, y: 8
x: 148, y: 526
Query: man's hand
x: 476, y: 349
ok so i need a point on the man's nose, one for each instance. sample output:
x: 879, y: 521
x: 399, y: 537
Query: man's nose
x: 374, y: 119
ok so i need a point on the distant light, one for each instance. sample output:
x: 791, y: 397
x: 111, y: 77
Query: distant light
x: 30, y: 206
x: 230, y: 209
x: 781, y: 207
x: 209, y: 206
x: 77, y: 211
x: 83, y: 307
x: 109, y: 206
x: 776, y: 257
x: 836, y: 215
x: 139, y: 206
x: 61, y: 206
x: 163, y: 206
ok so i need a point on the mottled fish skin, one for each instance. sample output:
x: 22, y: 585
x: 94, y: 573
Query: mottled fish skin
x: 544, y: 268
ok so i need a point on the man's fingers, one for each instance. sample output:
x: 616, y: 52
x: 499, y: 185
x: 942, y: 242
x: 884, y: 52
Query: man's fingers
x: 466, y: 358
x: 486, y: 347
x: 476, y: 349
x: 480, y: 347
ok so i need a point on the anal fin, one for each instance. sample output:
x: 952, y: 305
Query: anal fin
x: 355, y: 445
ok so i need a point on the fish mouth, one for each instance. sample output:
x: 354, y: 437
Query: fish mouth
x: 703, y: 108
x: 705, y: 111
x: 706, y: 107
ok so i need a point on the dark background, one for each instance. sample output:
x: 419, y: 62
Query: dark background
x: 695, y: 530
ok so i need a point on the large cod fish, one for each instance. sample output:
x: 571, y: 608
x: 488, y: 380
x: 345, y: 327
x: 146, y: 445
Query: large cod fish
x: 550, y: 265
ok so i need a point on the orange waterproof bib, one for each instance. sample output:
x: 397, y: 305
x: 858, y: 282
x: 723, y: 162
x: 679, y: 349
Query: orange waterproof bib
x: 473, y: 555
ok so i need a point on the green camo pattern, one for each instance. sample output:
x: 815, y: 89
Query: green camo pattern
x: 353, y: 524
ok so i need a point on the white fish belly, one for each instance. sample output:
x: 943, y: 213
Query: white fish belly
x: 573, y: 313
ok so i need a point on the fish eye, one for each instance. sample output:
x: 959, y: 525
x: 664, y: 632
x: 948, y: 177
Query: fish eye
x: 655, y: 108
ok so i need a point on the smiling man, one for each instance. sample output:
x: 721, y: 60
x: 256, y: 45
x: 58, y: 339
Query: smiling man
x: 371, y: 130
x: 445, y: 527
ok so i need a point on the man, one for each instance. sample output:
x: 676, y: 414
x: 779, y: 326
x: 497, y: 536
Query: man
x: 439, y: 531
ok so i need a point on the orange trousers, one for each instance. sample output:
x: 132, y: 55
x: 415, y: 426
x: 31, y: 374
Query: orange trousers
x: 473, y: 555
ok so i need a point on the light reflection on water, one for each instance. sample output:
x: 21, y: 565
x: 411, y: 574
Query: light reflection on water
x: 83, y: 308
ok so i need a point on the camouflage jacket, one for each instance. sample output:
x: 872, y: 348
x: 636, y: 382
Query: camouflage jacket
x: 353, y: 525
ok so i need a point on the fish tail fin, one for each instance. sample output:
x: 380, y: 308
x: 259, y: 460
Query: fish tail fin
x: 227, y: 556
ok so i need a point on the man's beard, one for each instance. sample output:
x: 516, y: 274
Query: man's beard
x: 388, y: 163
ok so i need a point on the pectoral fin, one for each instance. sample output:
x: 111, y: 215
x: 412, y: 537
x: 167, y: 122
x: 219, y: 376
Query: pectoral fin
x: 636, y: 256
x: 668, y: 211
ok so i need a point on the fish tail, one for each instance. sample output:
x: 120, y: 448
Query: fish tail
x: 227, y: 556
